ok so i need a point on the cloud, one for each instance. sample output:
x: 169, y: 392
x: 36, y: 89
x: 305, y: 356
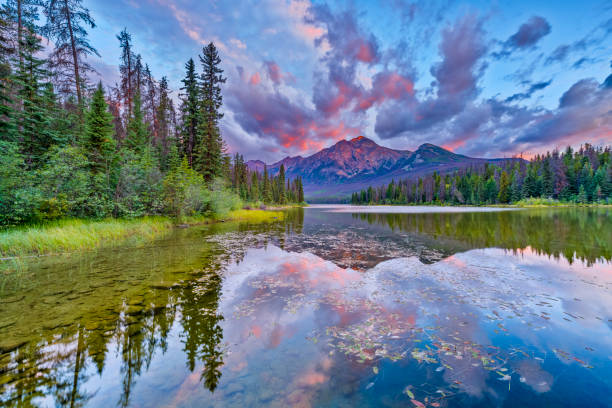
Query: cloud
x: 462, y: 48
x: 288, y: 123
x: 532, y: 89
x: 237, y: 43
x: 528, y: 34
x: 584, y: 114
x: 593, y: 38
x: 347, y: 46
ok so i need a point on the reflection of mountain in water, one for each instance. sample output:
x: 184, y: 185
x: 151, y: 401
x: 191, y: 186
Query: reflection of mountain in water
x: 362, y: 240
x: 61, y: 327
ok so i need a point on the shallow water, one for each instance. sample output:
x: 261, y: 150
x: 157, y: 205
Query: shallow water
x: 325, y: 308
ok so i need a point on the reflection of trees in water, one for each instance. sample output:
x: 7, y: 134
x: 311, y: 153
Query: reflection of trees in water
x: 584, y: 234
x: 56, y: 362
x: 59, y: 361
x: 202, y: 333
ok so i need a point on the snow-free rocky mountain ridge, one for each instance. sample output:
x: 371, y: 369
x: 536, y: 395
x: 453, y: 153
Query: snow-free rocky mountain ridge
x: 350, y: 165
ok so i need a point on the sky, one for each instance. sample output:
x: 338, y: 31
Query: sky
x: 481, y: 78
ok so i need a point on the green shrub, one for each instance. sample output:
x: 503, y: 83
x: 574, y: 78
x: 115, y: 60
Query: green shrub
x: 223, y: 200
x: 184, y: 192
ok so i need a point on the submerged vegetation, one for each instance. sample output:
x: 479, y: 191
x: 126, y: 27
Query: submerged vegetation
x: 577, y: 177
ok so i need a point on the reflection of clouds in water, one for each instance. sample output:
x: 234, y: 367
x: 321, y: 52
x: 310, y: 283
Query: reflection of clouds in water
x: 461, y: 307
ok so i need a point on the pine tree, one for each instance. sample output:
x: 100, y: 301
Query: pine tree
x: 99, y: 144
x: 282, y: 196
x: 23, y: 14
x: 490, y: 188
x: 190, y: 111
x: 254, y: 187
x: 66, y: 22
x: 32, y: 121
x: 150, y: 103
x: 126, y: 68
x: 582, y: 195
x: 267, y: 189
x: 210, y: 155
x: 300, y: 190
x: 164, y: 120
x: 504, y: 188
x: 137, y: 132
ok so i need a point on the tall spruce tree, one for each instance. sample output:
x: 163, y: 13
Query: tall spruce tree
x: 210, y: 155
x: 266, y: 193
x: 23, y: 14
x: 66, y: 26
x: 282, y: 196
x: 190, y: 111
x: 32, y: 122
x: 137, y: 133
x: 163, y: 115
x: 99, y: 144
x: 126, y: 68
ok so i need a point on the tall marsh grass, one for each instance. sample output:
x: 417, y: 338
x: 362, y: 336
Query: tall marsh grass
x: 74, y: 235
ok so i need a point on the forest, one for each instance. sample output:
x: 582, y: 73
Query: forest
x: 70, y: 147
x: 582, y: 176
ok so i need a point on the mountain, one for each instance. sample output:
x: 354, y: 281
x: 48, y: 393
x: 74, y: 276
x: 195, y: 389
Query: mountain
x: 351, y: 165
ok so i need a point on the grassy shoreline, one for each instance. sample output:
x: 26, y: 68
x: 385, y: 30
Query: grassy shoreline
x: 520, y: 204
x: 72, y: 235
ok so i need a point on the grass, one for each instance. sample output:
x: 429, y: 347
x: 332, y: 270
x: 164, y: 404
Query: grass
x: 551, y: 202
x: 73, y: 235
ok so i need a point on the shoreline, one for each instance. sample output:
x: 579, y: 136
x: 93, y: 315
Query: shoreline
x: 76, y: 235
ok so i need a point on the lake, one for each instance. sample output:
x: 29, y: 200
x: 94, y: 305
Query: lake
x: 333, y: 306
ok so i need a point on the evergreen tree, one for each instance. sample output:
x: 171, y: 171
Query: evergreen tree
x: 190, y: 112
x: 300, y: 198
x: 164, y: 120
x: 267, y: 189
x: 254, y: 187
x: 23, y: 15
x: 150, y: 103
x: 137, y: 132
x: 99, y: 144
x: 504, y: 188
x: 33, y: 121
x: 282, y: 197
x: 210, y: 156
x: 582, y: 195
x: 66, y: 22
x: 126, y: 68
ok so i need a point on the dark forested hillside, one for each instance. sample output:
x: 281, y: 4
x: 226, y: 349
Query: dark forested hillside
x: 583, y: 176
x: 72, y: 148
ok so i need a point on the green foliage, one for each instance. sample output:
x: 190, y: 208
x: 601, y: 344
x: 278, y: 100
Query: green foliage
x: 56, y: 162
x: 74, y: 234
x: 254, y: 187
x: 184, y: 191
x: 222, y: 199
x: 98, y: 142
x: 584, y: 176
x: 139, y: 185
x: 137, y: 132
x: 19, y: 199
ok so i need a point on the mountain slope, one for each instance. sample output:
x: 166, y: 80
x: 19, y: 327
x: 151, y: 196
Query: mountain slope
x: 351, y: 165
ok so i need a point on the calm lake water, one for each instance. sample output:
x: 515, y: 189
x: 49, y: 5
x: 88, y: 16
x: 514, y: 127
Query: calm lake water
x: 328, y: 308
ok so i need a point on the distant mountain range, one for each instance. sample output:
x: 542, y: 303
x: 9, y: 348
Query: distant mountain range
x: 350, y: 165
